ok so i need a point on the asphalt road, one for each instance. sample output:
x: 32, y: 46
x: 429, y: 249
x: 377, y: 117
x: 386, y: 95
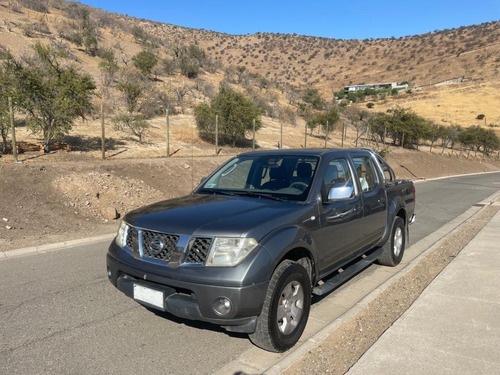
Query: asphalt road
x: 60, y: 315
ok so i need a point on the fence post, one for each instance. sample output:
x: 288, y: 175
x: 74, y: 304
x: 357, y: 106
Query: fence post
x: 326, y: 133
x: 103, y: 137
x: 343, y: 131
x: 216, y: 134
x: 13, y: 128
x: 253, y: 138
x: 281, y: 130
x: 305, y: 136
x: 168, y: 132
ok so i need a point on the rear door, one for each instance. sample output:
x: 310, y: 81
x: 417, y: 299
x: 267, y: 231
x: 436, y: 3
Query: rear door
x: 374, y: 198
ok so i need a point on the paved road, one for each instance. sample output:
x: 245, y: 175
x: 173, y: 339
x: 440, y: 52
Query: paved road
x: 60, y: 315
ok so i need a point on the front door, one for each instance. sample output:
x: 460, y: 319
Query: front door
x: 340, y: 230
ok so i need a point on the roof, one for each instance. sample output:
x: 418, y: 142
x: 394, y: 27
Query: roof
x: 305, y: 152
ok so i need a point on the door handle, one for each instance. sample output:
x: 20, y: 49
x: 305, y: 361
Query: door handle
x: 342, y: 214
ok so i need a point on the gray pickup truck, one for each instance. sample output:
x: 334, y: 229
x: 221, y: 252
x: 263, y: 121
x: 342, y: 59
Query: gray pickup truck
x: 266, y: 230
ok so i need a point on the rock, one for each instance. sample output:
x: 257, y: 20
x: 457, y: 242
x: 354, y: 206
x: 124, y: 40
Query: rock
x: 109, y: 213
x: 8, y: 227
x: 5, y: 219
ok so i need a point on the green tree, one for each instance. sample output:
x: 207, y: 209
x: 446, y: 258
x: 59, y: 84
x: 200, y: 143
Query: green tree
x: 477, y: 138
x: 359, y: 119
x: 407, y: 128
x: 133, y: 120
x: 379, y: 123
x: 52, y: 95
x: 449, y: 136
x: 145, y: 61
x: 326, y: 119
x: 132, y: 92
x: 188, y: 68
x: 137, y: 124
x: 312, y: 97
x: 197, y: 54
x: 235, y: 114
x: 109, y: 67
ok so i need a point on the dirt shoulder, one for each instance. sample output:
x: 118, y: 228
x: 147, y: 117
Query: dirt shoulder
x: 64, y: 196
x: 44, y: 202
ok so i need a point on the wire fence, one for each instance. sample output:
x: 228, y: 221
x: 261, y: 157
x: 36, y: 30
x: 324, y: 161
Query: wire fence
x: 100, y: 138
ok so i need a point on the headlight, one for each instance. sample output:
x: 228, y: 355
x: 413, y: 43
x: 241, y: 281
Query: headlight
x: 121, y: 236
x: 230, y: 251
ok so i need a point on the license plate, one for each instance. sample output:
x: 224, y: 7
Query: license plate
x: 150, y: 296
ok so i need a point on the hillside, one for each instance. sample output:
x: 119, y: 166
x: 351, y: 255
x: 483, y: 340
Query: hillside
x: 271, y: 68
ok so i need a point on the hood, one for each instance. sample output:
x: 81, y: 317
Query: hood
x: 208, y: 215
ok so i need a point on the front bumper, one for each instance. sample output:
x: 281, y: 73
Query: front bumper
x: 191, y: 300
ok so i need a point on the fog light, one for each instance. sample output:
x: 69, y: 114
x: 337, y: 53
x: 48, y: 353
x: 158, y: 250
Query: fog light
x: 109, y: 273
x: 222, y: 306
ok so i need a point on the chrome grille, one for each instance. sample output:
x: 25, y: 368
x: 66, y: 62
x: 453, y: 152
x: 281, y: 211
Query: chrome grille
x: 132, y: 241
x: 198, y: 250
x: 158, y: 245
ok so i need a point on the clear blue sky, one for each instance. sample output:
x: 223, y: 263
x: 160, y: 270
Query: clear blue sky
x: 346, y: 19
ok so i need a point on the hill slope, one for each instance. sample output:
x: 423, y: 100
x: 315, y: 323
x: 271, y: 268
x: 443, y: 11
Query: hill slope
x: 272, y: 67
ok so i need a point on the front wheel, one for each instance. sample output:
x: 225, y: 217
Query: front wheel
x: 286, y: 308
x: 395, y: 245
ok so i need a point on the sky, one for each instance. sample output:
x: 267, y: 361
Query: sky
x: 346, y: 19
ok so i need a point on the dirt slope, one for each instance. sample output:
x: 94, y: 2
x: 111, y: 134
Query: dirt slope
x: 45, y: 201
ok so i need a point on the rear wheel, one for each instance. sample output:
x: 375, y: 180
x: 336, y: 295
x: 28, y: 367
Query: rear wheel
x: 395, y: 245
x: 286, y: 308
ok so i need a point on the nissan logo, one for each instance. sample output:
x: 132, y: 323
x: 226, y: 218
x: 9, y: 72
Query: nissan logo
x: 157, y: 246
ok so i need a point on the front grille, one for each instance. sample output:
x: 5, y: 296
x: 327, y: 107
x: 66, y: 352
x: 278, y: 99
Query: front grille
x: 158, y: 245
x: 163, y: 246
x: 132, y: 241
x: 198, y: 250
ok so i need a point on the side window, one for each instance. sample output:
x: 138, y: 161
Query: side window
x: 337, y: 172
x: 366, y: 173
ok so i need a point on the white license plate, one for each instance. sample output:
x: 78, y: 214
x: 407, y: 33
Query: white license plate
x: 149, y: 296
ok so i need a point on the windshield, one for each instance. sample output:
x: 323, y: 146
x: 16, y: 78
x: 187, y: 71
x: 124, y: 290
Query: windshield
x: 276, y: 177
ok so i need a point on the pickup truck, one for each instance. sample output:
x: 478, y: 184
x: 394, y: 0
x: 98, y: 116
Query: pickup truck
x: 251, y: 244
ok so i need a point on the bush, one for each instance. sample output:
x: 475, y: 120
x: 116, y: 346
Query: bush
x: 36, y: 5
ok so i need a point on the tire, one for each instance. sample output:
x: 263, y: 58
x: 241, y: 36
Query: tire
x: 286, y: 308
x: 395, y: 246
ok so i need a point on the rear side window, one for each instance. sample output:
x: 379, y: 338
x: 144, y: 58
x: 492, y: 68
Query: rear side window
x: 366, y: 173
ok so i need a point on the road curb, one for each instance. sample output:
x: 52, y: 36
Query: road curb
x: 314, y: 341
x: 9, y: 254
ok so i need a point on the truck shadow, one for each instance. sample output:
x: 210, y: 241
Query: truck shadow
x: 195, y: 323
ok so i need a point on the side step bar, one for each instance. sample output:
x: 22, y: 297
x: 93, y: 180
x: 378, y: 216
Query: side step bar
x: 348, y: 272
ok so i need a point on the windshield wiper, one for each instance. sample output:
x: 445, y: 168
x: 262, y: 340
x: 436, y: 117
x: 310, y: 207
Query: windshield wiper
x: 259, y: 195
x: 243, y: 193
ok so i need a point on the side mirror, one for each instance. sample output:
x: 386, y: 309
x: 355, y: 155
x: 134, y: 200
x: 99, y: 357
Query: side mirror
x: 203, y: 180
x: 341, y: 191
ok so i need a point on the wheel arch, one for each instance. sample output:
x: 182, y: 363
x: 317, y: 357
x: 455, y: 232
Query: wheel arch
x: 302, y: 256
